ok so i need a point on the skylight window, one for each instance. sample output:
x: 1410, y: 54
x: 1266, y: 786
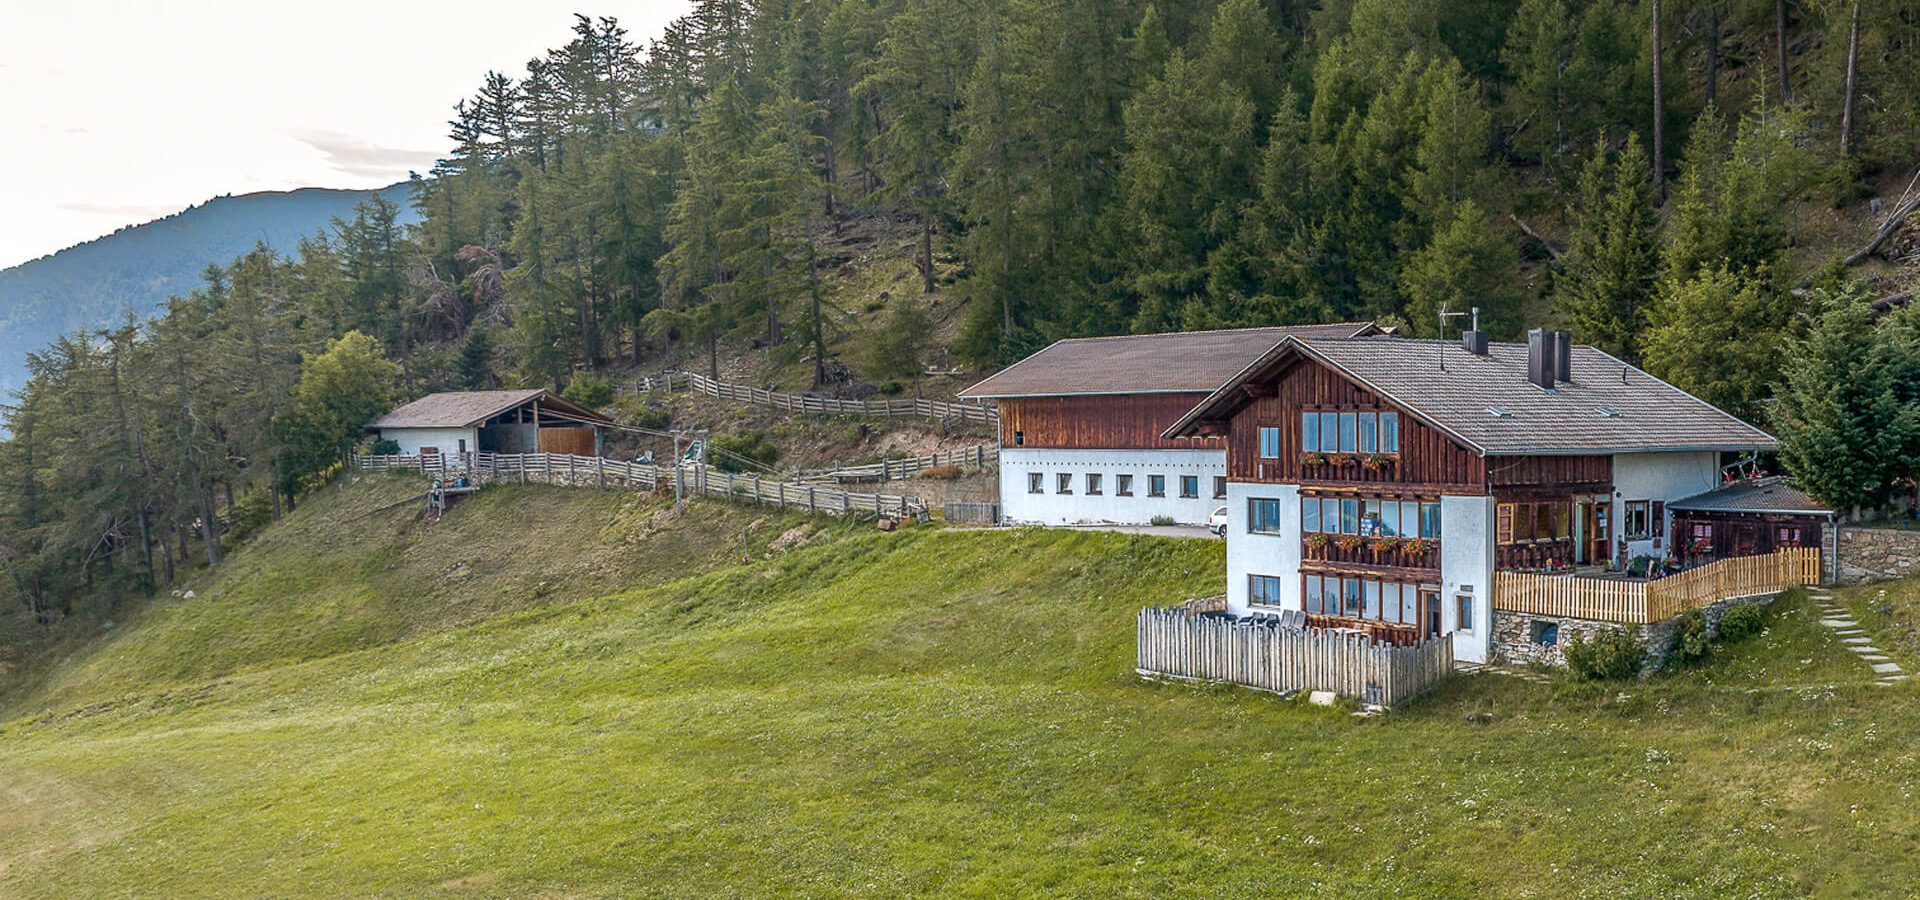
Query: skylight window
x: 1499, y: 412
x: 1607, y: 411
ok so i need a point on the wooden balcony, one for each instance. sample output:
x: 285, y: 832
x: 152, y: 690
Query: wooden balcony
x: 1396, y: 552
x: 1640, y: 602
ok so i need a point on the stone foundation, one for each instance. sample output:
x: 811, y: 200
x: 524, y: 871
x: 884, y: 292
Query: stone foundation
x: 1876, y: 554
x: 1514, y: 643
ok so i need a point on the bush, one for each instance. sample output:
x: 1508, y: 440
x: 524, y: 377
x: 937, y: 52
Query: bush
x: 590, y: 389
x: 1610, y: 654
x: 1161, y: 520
x: 743, y: 452
x: 942, y: 473
x: 1690, y: 639
x: 384, y: 447
x: 1742, y: 622
x: 640, y: 414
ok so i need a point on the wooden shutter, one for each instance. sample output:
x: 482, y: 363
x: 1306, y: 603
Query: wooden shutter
x: 1503, y: 524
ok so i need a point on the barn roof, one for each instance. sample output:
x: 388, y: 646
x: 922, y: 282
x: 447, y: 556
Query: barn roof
x: 1761, y: 495
x: 1179, y: 362
x: 464, y: 409
x: 1487, y: 403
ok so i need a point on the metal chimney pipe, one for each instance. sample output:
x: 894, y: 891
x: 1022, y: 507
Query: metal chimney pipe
x: 1540, y: 366
x: 1563, y: 356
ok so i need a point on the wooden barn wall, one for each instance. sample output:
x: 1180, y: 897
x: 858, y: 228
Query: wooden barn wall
x: 1429, y: 461
x: 1099, y: 422
x: 1559, y: 474
x: 1745, y: 534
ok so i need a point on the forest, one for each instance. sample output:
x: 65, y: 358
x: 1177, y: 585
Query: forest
x: 1682, y: 185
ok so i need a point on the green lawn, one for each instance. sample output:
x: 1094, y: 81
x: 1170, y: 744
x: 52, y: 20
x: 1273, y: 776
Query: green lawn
x: 922, y: 712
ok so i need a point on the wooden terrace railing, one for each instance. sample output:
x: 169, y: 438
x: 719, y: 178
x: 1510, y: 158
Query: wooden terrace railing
x: 1176, y: 643
x: 936, y: 410
x: 1642, y: 602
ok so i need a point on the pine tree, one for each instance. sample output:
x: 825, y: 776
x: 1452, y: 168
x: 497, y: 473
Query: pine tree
x: 1718, y: 335
x: 1605, y: 282
x: 1846, y: 435
x: 1468, y: 264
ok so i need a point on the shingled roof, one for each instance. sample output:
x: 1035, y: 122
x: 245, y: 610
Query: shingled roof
x: 464, y: 409
x: 1487, y: 403
x: 1180, y: 362
x: 1761, y: 495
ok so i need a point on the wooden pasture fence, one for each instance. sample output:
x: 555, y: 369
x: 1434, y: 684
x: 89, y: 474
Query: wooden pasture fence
x: 594, y: 471
x: 1643, y: 602
x: 936, y: 410
x: 1172, y: 642
x: 976, y: 457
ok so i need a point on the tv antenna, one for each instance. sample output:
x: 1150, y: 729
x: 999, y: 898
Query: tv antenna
x: 1446, y: 314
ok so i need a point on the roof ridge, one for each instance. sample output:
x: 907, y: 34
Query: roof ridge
x: 1115, y: 337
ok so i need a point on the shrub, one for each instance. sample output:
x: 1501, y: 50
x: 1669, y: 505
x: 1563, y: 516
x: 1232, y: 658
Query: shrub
x: 743, y: 452
x: 385, y: 447
x: 1161, y: 520
x: 590, y: 389
x: 1690, y: 639
x: 1610, y: 653
x: 1742, y: 622
x: 942, y: 473
x: 640, y: 414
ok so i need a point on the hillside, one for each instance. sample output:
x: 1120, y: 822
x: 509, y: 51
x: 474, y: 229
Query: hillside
x: 567, y: 692
x: 138, y: 268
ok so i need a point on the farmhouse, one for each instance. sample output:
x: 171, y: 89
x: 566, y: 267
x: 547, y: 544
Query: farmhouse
x: 1083, y: 422
x: 457, y: 423
x: 1380, y: 483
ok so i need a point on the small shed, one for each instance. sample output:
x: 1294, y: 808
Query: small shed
x: 1746, y: 518
x: 462, y: 422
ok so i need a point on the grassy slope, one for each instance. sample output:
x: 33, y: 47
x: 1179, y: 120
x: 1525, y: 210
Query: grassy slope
x: 918, y: 712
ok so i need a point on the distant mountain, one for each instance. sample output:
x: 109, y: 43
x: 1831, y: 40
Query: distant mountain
x: 139, y: 267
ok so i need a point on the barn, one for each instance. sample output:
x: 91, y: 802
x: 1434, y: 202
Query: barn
x: 1747, y: 517
x: 462, y: 422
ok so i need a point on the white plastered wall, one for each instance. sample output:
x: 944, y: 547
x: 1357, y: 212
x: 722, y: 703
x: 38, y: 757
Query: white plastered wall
x: 1050, y: 507
x: 1466, y: 569
x: 446, y: 440
x: 1658, y: 476
x: 1262, y: 554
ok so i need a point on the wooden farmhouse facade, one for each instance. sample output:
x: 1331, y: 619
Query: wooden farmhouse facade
x: 454, y: 424
x: 1083, y: 424
x: 1380, y: 482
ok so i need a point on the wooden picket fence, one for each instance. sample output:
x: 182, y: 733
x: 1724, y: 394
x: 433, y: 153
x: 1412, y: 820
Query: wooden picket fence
x: 1172, y: 642
x: 974, y: 457
x: 935, y: 410
x: 695, y: 480
x: 1643, y: 602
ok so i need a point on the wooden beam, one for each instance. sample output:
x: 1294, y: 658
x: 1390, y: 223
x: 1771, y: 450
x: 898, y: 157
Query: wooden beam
x: 1258, y: 389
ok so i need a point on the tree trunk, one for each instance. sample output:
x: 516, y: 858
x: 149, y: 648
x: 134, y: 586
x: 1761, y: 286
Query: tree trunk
x: 209, y: 529
x: 1659, y: 116
x: 1713, y: 56
x: 926, y: 253
x: 713, y: 357
x: 1780, y: 47
x: 1853, y: 70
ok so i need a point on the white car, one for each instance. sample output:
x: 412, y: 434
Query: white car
x: 1217, y: 523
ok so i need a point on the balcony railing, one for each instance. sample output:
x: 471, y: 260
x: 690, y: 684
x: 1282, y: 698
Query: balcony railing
x: 1642, y: 602
x: 1406, y: 553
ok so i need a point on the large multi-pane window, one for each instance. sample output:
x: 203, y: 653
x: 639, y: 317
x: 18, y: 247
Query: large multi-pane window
x: 1263, y: 590
x: 1370, y: 518
x: 1263, y: 515
x: 1523, y: 522
x: 1392, y: 602
x: 1345, y: 432
x: 1269, y: 442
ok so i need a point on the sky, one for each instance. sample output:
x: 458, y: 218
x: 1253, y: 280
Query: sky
x: 117, y: 113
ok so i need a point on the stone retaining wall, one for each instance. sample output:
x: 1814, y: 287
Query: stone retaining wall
x: 1876, y: 554
x: 1513, y: 642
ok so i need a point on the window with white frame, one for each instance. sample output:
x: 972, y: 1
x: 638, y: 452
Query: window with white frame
x: 1093, y: 484
x: 1063, y: 483
x: 1036, y: 482
x: 1189, y: 486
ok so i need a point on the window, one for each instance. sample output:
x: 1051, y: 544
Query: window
x: 1189, y: 486
x: 1637, y: 525
x: 1219, y: 487
x: 1361, y: 598
x: 1019, y: 437
x: 1093, y: 484
x: 1520, y: 523
x: 1329, y: 432
x: 1463, y: 607
x: 463, y: 446
x: 1156, y: 485
x: 1347, y: 424
x: 1369, y: 433
x: 1349, y: 517
x: 1785, y: 535
x: 1036, y: 483
x: 1263, y: 516
x: 1342, y: 432
x: 1389, y: 432
x: 1309, y: 515
x: 1703, y: 531
x: 1430, y: 521
x: 1546, y: 634
x: 1123, y: 485
x: 1310, y: 432
x: 1263, y: 590
x: 1350, y: 597
x: 1310, y: 595
x: 1064, y: 484
x: 1269, y: 442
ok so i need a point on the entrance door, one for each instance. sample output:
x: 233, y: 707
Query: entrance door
x: 1430, y: 611
x: 1746, y: 539
x: 1599, y: 543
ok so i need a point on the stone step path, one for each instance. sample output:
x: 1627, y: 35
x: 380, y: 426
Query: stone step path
x: 1840, y: 620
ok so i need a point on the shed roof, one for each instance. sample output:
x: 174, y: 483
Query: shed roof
x: 1487, y: 403
x: 464, y: 409
x: 1178, y: 362
x: 1761, y: 495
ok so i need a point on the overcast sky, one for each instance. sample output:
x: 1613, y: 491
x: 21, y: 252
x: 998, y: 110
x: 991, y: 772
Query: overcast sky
x: 116, y: 113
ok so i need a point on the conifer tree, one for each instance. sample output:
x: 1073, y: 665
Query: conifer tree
x: 1605, y: 282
